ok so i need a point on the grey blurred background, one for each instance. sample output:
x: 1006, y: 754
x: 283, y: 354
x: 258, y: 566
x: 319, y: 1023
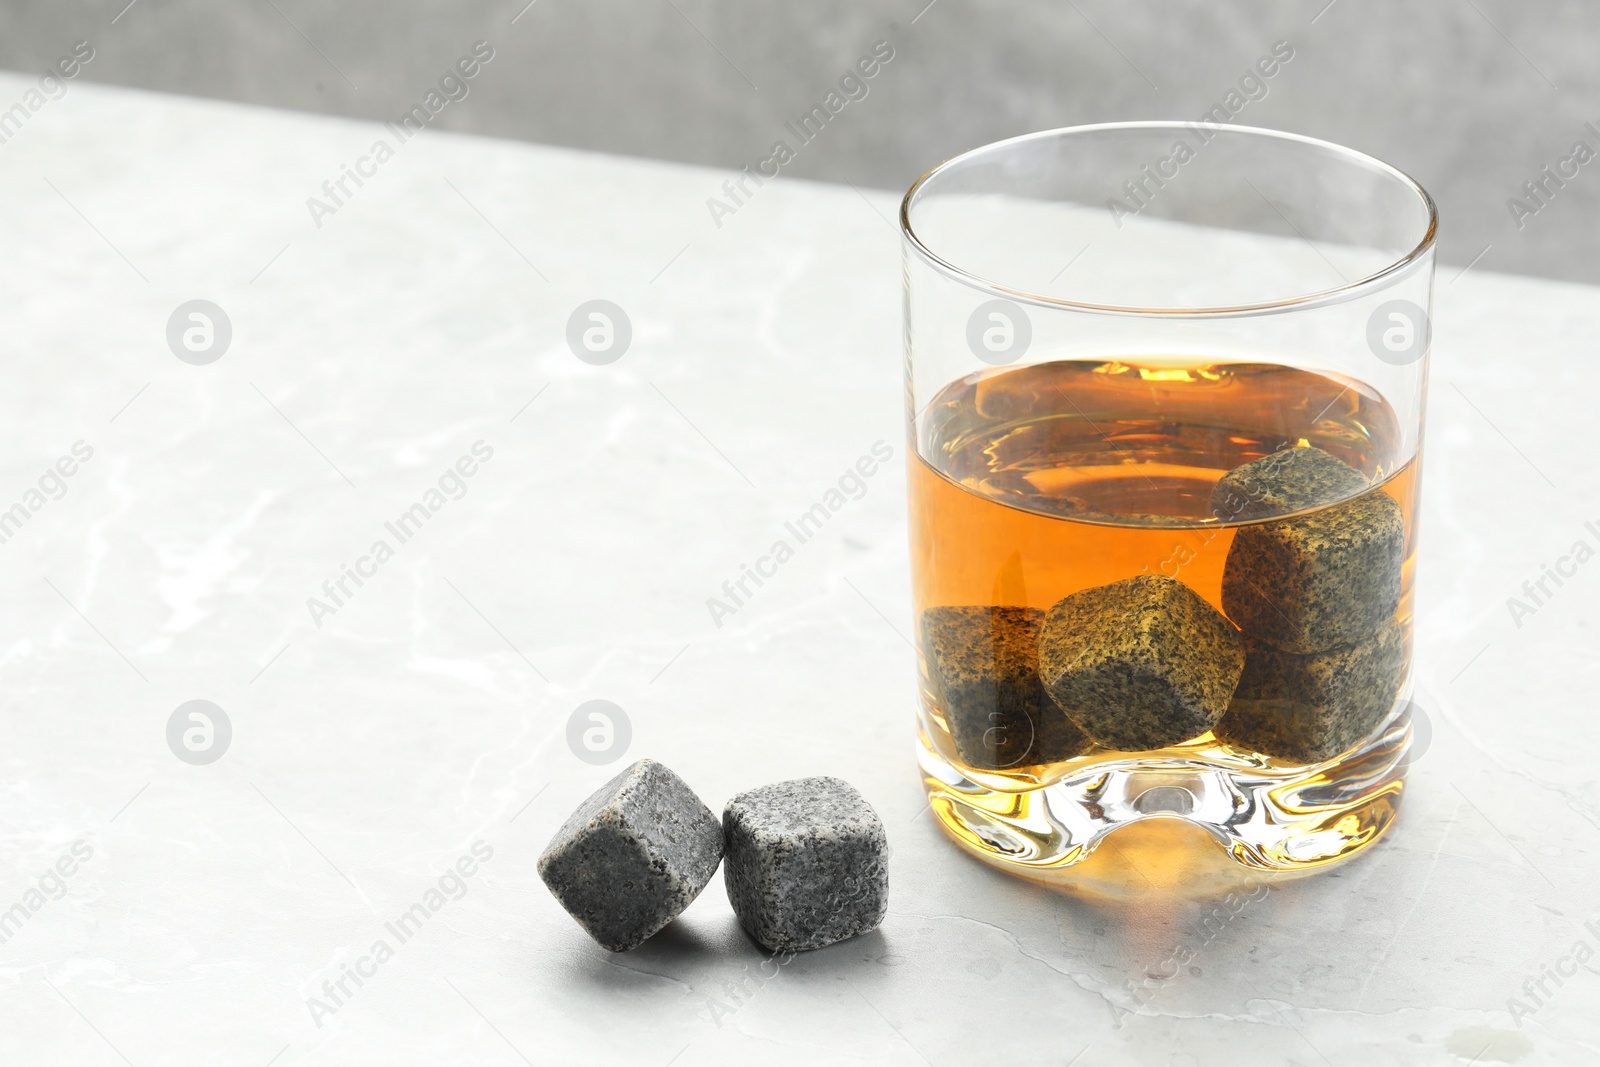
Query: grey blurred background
x: 1472, y: 97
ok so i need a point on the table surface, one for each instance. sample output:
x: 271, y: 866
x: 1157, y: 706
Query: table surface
x: 422, y: 716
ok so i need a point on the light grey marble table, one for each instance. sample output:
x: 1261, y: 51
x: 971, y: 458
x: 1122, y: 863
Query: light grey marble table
x: 163, y: 912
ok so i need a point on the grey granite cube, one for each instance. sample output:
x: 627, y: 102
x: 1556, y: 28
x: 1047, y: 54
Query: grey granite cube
x: 633, y: 855
x: 807, y: 863
x: 983, y: 667
x: 1319, y: 580
x: 1139, y: 664
x: 1310, y: 708
x: 1292, y: 479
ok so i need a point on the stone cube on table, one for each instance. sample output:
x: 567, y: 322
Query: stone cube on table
x: 807, y: 863
x: 633, y: 855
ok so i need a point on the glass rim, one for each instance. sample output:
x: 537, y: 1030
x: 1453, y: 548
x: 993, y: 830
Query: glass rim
x: 1319, y: 298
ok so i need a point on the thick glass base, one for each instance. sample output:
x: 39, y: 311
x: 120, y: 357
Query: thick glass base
x: 1265, y: 816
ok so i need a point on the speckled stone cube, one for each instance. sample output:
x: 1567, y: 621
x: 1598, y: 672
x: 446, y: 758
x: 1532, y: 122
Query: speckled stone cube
x: 807, y: 863
x: 633, y: 855
x: 1289, y: 480
x: 1139, y: 664
x: 1320, y: 580
x: 983, y: 667
x: 1310, y: 708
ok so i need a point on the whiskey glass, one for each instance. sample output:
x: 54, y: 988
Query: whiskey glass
x: 1165, y: 388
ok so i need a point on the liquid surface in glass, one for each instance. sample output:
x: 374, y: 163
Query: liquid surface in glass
x: 1032, y: 483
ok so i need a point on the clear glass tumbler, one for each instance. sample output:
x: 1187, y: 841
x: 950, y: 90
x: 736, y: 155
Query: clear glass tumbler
x: 1165, y: 387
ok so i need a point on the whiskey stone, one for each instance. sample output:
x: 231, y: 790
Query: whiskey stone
x: 807, y: 863
x: 983, y: 666
x: 1141, y: 663
x: 633, y: 855
x: 1310, y: 708
x: 1317, y: 581
x: 1290, y: 480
